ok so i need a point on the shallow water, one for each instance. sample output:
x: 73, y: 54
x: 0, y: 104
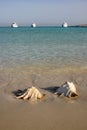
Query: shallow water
x: 46, y: 56
x: 43, y: 46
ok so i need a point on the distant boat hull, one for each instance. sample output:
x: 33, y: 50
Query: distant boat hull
x: 14, y: 25
x: 33, y: 25
x: 64, y: 25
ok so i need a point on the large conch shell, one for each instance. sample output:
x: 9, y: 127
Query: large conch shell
x: 31, y: 93
x: 68, y: 89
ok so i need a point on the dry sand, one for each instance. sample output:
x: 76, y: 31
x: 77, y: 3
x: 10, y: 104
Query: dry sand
x: 51, y: 113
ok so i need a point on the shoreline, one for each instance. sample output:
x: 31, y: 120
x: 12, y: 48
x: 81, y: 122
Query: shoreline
x: 27, y: 74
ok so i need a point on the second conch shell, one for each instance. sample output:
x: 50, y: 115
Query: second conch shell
x: 32, y: 94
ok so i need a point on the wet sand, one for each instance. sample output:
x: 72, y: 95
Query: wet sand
x: 50, y: 113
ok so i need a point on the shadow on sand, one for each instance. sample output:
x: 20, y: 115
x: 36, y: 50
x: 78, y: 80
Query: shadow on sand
x: 51, y: 89
x: 19, y: 92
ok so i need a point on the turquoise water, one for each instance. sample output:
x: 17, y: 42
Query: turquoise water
x: 43, y: 46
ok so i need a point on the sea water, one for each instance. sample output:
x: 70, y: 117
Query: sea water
x: 43, y: 46
x: 41, y: 49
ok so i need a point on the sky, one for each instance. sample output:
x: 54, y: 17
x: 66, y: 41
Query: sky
x: 43, y: 12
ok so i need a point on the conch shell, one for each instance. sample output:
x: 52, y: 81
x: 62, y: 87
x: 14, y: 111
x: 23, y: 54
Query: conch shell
x: 31, y: 93
x: 68, y: 89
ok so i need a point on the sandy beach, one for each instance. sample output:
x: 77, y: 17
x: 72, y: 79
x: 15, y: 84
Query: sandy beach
x: 43, y: 46
x: 50, y: 113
